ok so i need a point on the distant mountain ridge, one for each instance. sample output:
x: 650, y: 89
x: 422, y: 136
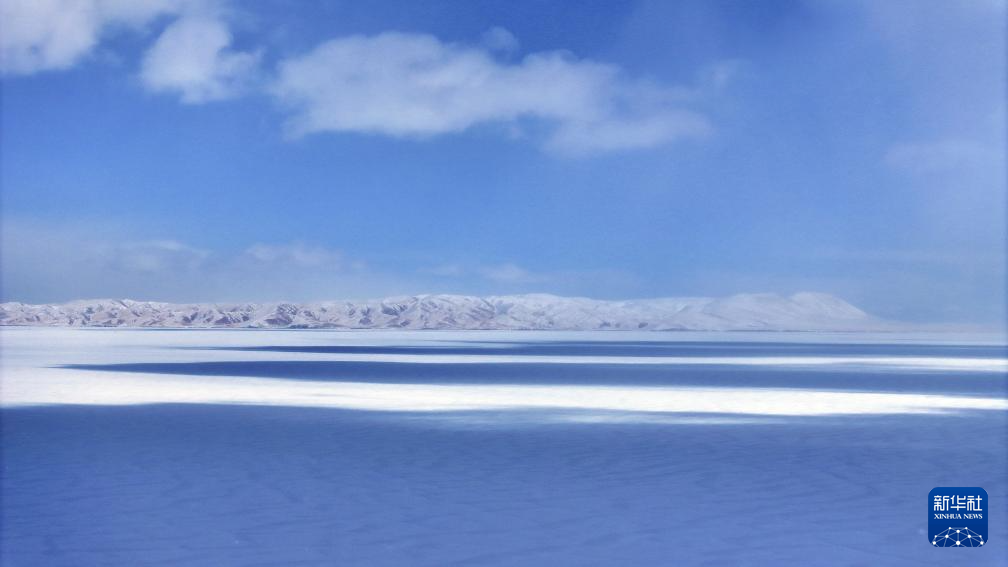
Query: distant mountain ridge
x: 799, y: 312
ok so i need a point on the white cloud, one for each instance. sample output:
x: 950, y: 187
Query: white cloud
x: 415, y: 85
x: 40, y: 35
x: 500, y: 39
x: 395, y: 84
x: 191, y: 58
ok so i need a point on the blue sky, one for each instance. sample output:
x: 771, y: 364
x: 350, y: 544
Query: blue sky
x: 215, y: 151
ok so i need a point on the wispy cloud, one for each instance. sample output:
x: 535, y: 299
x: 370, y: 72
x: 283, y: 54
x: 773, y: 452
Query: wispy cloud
x: 500, y: 39
x: 400, y: 84
x: 504, y: 273
x: 444, y: 270
x: 951, y: 154
x: 151, y: 256
x: 295, y: 254
x: 904, y: 258
x: 511, y: 273
x: 511, y: 277
x: 45, y: 261
x: 48, y: 261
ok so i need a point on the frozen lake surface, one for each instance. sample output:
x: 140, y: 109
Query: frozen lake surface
x: 127, y: 447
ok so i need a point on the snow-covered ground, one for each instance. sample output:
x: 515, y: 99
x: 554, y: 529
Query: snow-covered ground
x: 61, y: 366
x: 379, y: 448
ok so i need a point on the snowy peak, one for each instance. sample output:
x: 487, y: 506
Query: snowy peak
x: 799, y: 312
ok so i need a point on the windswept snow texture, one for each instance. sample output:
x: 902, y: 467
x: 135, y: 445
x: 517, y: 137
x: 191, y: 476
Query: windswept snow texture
x: 799, y: 312
x: 496, y: 448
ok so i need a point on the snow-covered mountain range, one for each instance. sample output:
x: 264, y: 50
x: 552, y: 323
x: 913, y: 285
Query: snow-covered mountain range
x: 799, y: 312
